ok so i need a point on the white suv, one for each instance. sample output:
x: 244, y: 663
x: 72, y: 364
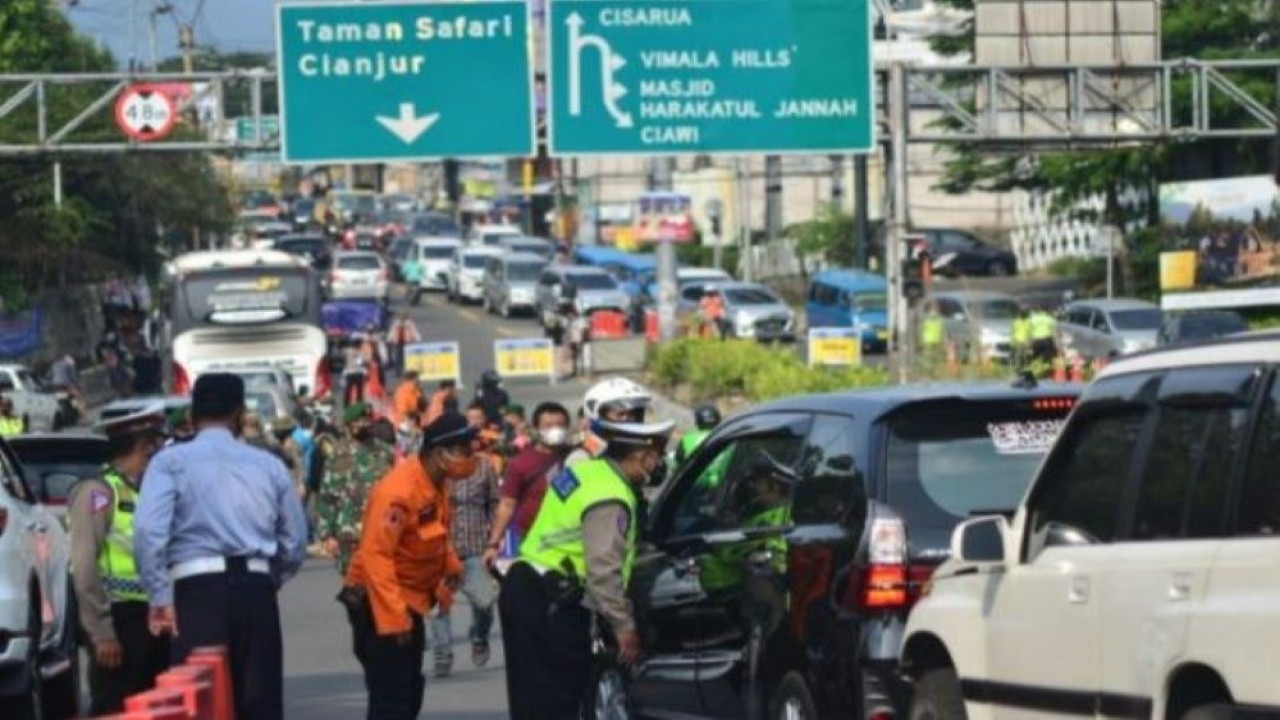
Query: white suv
x: 1141, y: 575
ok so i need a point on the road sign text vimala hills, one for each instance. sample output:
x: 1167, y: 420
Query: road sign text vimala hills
x: 371, y: 82
x: 708, y: 76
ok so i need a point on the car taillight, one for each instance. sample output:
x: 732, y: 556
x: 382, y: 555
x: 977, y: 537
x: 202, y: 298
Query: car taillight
x: 181, y: 381
x: 1053, y: 404
x: 882, y: 583
x: 324, y: 379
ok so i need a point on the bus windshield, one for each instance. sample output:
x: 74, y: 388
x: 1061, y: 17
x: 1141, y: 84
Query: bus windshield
x: 244, y: 296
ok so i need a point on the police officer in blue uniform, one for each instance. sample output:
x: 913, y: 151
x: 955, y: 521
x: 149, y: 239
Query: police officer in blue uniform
x: 224, y: 521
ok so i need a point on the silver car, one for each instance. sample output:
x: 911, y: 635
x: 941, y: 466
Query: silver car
x: 753, y: 311
x: 270, y: 403
x: 465, y: 275
x: 590, y: 288
x: 977, y: 318
x: 1105, y: 328
x: 359, y: 275
x: 511, y: 281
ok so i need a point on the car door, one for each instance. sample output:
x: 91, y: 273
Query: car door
x: 1075, y: 328
x: 1044, y: 612
x: 36, y: 546
x: 713, y: 581
x: 1104, y: 340
x: 1155, y: 576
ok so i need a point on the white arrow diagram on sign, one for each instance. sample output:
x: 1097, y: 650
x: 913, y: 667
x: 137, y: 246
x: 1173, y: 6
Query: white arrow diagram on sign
x: 408, y: 126
x: 610, y: 62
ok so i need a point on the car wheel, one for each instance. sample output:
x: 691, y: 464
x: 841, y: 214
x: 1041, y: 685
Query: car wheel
x: 792, y: 700
x: 62, y: 695
x: 609, y: 698
x: 1218, y: 711
x: 999, y: 268
x: 937, y: 697
x: 31, y: 707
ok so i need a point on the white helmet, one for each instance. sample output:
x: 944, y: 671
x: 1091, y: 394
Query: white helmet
x: 634, y: 433
x: 617, y: 392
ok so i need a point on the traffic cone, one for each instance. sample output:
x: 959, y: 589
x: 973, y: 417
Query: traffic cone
x: 953, y: 363
x: 160, y: 713
x: 1059, y: 369
x: 195, y: 682
x: 155, y: 698
x: 215, y: 658
x: 1077, y: 370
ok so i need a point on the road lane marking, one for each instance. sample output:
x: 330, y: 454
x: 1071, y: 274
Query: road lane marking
x: 505, y: 332
x: 468, y: 314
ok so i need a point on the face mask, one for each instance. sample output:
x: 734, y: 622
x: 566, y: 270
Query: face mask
x: 458, y: 467
x: 555, y: 437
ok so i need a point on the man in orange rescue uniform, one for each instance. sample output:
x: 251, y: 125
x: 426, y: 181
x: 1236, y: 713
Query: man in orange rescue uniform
x: 404, y: 565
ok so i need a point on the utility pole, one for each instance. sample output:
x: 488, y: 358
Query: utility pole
x: 899, y: 321
x: 161, y: 8
x: 773, y: 197
x: 187, y: 44
x: 837, y: 182
x: 660, y: 173
x: 862, y: 223
x: 133, y: 35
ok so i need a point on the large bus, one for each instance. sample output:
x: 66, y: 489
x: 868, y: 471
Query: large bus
x: 230, y: 310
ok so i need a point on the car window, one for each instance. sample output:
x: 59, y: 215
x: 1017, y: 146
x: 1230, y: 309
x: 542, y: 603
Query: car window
x: 473, y: 262
x: 721, y: 492
x: 592, y: 281
x: 692, y: 293
x: 749, y: 296
x: 1137, y: 319
x: 359, y: 262
x: 946, y: 463
x: 1080, y: 316
x: 832, y: 488
x: 6, y: 382
x: 260, y: 404
x: 12, y: 480
x: 548, y: 279
x: 1199, y: 429
x: 1099, y: 322
x: 822, y: 294
x: 437, y: 253
x: 1259, y: 512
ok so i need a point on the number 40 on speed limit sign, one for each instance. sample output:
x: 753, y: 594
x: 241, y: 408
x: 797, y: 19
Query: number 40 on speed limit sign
x: 145, y: 113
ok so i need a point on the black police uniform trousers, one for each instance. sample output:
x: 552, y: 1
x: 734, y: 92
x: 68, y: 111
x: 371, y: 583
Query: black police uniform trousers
x: 547, y: 646
x: 237, y: 609
x: 392, y: 671
x: 144, y: 657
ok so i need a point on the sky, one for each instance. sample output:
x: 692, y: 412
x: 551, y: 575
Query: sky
x: 225, y: 25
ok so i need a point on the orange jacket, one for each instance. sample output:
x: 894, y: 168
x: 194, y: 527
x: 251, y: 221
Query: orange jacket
x: 712, y: 307
x: 405, y: 553
x: 407, y: 397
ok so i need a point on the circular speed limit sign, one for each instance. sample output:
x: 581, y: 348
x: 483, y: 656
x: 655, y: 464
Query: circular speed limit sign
x: 145, y: 113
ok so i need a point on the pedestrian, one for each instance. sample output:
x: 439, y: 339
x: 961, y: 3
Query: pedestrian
x: 11, y: 425
x: 576, y: 560
x: 373, y: 348
x: 706, y: 418
x: 579, y: 335
x: 443, y: 400
x: 360, y: 458
x: 403, y: 565
x: 473, y: 500
x: 223, y: 521
x: 711, y: 309
x: 124, y: 657
x: 933, y: 334
x: 515, y: 428
x: 407, y: 397
x: 354, y: 373
x: 403, y: 332
x: 557, y: 331
x: 526, y: 478
x: 492, y: 396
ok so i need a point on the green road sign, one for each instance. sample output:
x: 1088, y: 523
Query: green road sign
x: 710, y: 76
x: 245, y: 132
x: 367, y: 82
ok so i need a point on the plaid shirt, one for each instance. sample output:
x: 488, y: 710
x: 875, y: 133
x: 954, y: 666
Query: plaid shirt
x: 474, y: 501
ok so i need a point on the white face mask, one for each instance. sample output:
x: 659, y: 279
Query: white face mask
x: 555, y: 436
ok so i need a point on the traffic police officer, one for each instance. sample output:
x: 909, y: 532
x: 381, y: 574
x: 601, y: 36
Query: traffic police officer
x: 577, y: 558
x: 10, y: 425
x: 933, y: 331
x: 404, y: 565
x: 1044, y: 326
x: 222, y: 519
x: 706, y: 418
x: 1020, y: 337
x: 125, y: 656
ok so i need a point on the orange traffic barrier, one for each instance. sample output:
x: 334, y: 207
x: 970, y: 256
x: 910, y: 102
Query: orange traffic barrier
x: 953, y: 363
x: 1077, y: 370
x: 1059, y: 370
x: 161, y: 713
x: 152, y: 699
x: 651, y: 330
x: 608, y: 324
x: 195, y: 682
x: 215, y: 658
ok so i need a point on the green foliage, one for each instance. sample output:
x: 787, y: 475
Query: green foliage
x: 716, y: 369
x: 831, y: 235
x: 697, y: 255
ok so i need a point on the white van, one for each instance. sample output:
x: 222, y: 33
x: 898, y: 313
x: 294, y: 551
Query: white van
x: 432, y: 256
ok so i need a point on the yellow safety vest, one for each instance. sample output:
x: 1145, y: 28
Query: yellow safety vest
x: 11, y: 426
x: 555, y: 539
x: 932, y: 330
x: 1042, y: 326
x: 1020, y: 333
x: 115, y: 557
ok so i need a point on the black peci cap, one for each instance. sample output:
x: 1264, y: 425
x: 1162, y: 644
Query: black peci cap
x: 217, y: 395
x: 448, y: 429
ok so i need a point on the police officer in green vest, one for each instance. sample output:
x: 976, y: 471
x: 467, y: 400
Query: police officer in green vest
x: 10, y: 425
x: 706, y: 418
x: 125, y: 656
x: 1043, y: 328
x: 933, y: 332
x: 1020, y: 338
x: 576, y: 559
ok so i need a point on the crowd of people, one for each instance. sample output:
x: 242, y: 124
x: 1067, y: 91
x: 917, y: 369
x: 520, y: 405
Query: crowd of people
x: 531, y: 517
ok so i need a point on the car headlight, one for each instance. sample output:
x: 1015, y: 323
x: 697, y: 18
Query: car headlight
x: 990, y: 337
x: 1134, y: 345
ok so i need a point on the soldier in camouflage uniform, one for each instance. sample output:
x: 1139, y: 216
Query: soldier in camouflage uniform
x: 359, y: 460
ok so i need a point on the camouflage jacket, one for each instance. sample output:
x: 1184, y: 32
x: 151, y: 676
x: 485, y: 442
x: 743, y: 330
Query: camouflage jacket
x: 350, y: 470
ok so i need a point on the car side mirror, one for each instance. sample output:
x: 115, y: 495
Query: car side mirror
x: 980, y: 540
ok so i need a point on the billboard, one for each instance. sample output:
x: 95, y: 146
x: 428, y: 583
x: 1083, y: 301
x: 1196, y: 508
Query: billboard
x: 1222, y: 244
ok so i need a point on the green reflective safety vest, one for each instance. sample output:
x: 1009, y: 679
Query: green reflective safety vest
x: 10, y: 426
x: 115, y: 558
x: 556, y: 535
x: 1042, y: 326
x: 726, y: 567
x: 932, y: 330
x: 1020, y: 332
x: 690, y: 442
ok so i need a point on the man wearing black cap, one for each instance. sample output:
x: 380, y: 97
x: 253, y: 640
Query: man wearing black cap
x: 404, y: 565
x: 222, y: 518
x: 125, y: 656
